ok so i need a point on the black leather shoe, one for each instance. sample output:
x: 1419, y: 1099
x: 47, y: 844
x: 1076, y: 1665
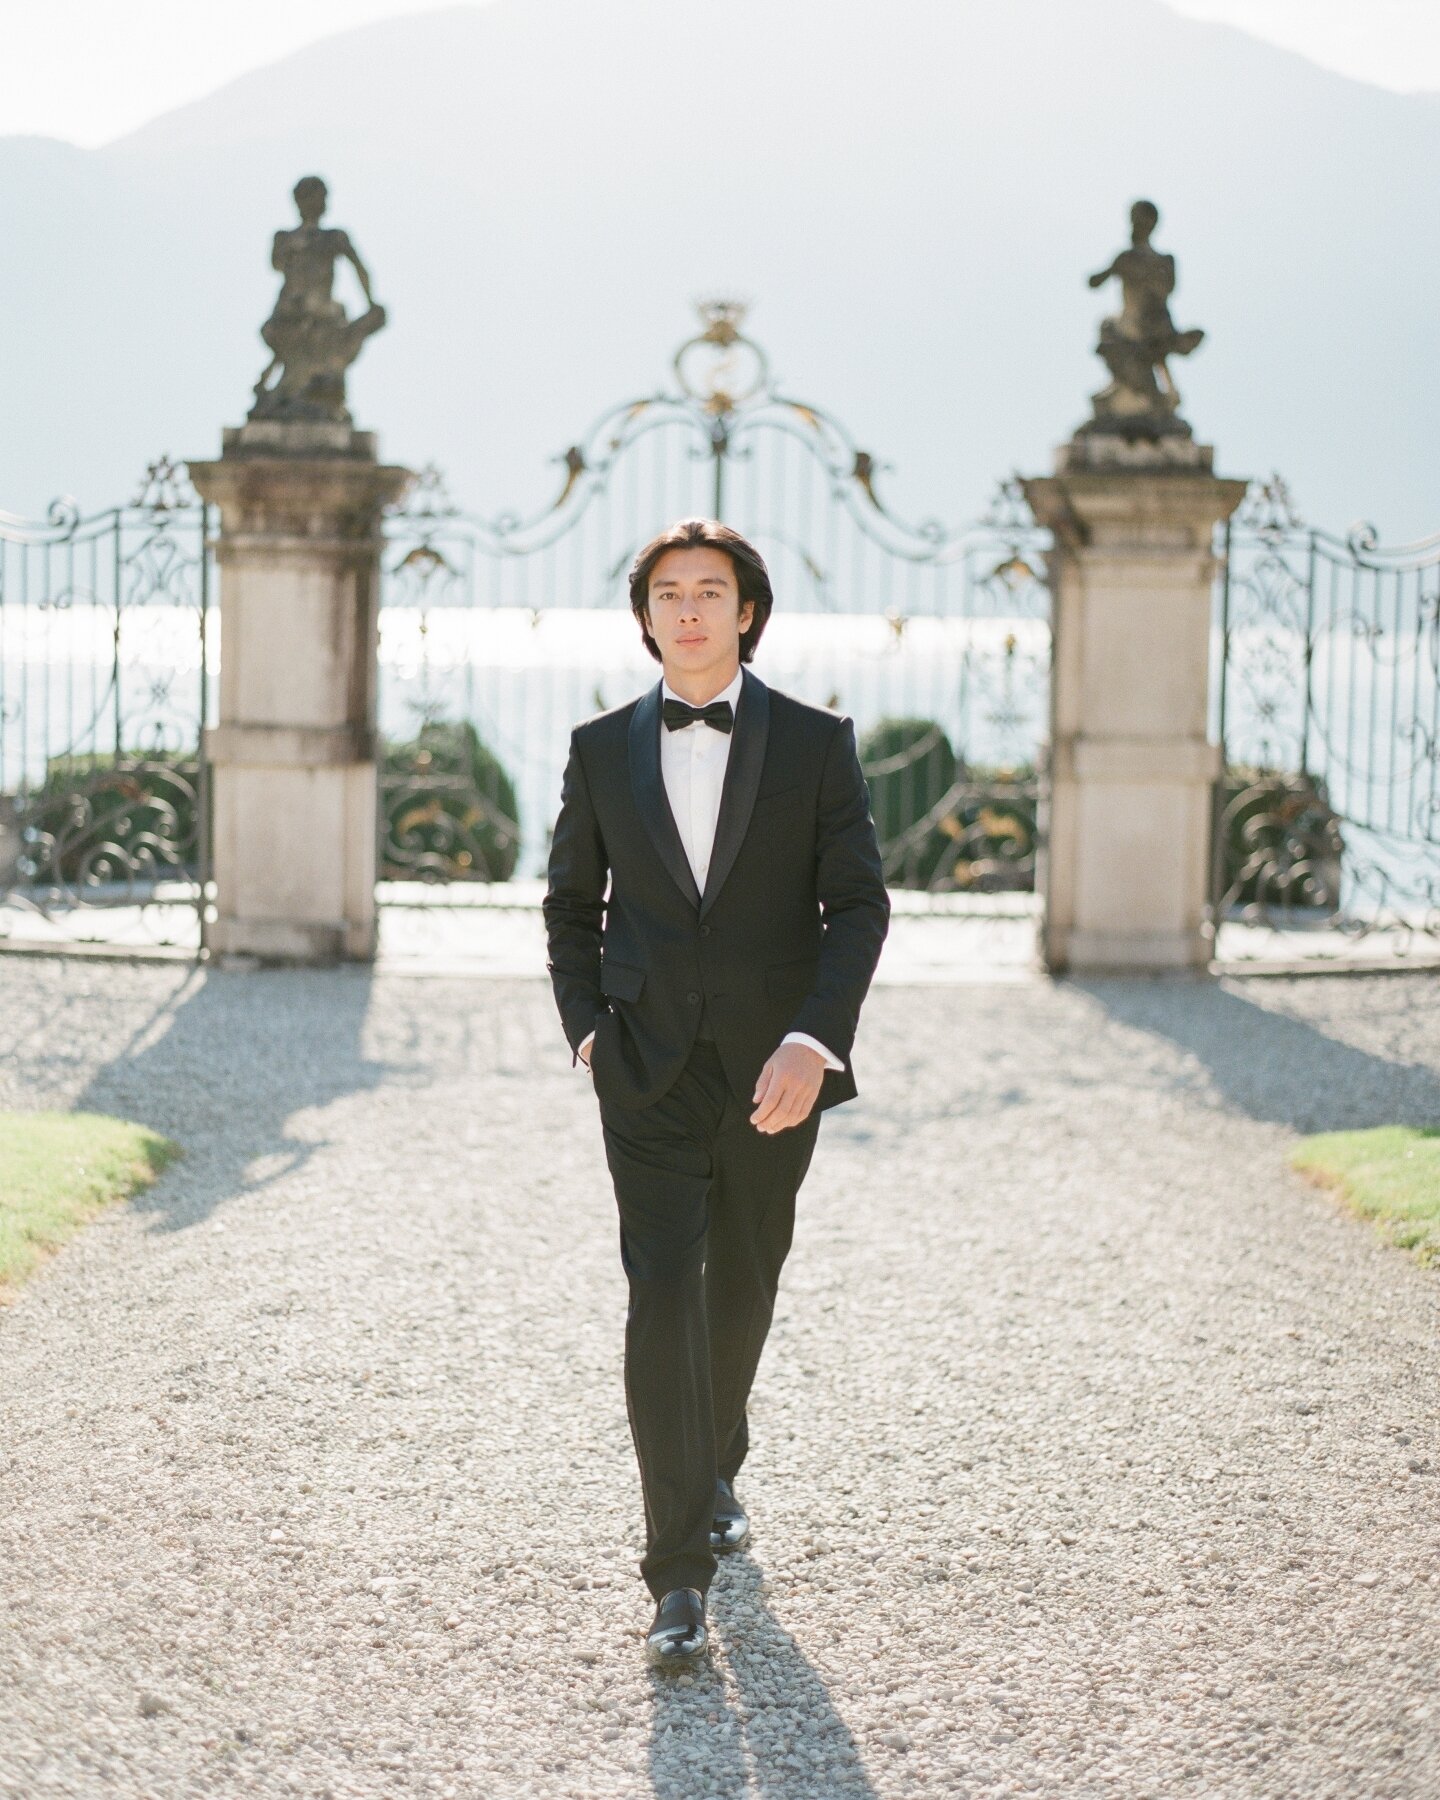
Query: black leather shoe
x: 731, y: 1527
x: 678, y: 1639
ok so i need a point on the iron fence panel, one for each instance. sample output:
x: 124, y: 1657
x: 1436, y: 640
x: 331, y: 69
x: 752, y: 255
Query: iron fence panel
x: 1328, y: 819
x: 106, y: 683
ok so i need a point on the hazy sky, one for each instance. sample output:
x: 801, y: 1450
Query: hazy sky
x: 90, y: 70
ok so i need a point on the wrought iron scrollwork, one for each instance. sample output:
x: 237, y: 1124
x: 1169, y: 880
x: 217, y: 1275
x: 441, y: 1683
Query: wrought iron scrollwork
x: 499, y: 621
x: 1329, y: 818
x: 104, y: 676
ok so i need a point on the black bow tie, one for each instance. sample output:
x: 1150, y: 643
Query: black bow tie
x: 718, y: 713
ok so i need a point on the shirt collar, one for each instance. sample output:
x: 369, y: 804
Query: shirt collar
x: 730, y: 692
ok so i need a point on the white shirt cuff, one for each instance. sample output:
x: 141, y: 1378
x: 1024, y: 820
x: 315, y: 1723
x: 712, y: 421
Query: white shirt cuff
x: 584, y: 1044
x: 799, y: 1037
x: 791, y: 1037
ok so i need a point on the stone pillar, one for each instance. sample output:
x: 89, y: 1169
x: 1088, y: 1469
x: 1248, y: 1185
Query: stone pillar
x: 1132, y: 765
x: 293, y: 757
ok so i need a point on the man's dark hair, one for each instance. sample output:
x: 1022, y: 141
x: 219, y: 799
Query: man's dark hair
x: 751, y: 576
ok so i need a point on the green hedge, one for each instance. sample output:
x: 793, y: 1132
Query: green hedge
x: 450, y: 811
x: 99, y: 817
x: 983, y: 834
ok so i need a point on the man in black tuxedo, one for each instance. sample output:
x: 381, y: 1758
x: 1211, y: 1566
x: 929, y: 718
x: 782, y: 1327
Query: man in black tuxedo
x: 714, y: 995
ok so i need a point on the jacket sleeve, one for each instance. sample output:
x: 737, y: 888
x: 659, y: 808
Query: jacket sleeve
x: 574, y: 906
x: 854, y: 906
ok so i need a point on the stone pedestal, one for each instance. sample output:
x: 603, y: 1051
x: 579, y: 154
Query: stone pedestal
x: 1132, y: 765
x: 293, y: 758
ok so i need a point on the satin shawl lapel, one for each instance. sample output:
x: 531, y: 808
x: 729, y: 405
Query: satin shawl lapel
x: 737, y: 795
x: 651, y: 800
x: 742, y: 780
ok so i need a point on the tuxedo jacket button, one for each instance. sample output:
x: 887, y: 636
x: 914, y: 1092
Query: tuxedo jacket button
x: 694, y: 999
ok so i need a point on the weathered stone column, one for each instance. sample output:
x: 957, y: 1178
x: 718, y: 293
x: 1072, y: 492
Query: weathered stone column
x: 1132, y: 765
x: 293, y: 758
x: 1133, y: 504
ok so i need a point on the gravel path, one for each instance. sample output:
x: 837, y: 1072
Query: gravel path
x: 1095, y: 1454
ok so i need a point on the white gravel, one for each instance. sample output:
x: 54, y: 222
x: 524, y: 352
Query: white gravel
x: 1094, y: 1453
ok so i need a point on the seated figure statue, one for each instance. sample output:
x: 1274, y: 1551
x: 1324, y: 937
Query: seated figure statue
x: 311, y: 340
x: 1141, y: 400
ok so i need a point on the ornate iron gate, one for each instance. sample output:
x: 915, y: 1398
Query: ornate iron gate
x: 1328, y: 822
x: 105, y: 679
x: 497, y: 635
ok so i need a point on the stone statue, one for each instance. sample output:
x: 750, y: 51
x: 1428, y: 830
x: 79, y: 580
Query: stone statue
x: 1141, y: 401
x: 312, y: 341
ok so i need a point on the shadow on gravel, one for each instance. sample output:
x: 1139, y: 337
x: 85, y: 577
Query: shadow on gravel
x: 224, y: 1065
x: 1268, y: 1064
x: 703, y: 1737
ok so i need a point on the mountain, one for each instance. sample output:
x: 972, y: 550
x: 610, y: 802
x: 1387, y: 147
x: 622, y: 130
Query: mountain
x: 911, y: 196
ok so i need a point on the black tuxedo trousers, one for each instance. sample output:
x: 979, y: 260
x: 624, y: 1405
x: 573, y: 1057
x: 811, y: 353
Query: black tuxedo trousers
x: 688, y: 995
x: 707, y: 1211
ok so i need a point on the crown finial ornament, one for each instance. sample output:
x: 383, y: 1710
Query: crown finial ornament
x: 720, y: 367
x: 722, y: 319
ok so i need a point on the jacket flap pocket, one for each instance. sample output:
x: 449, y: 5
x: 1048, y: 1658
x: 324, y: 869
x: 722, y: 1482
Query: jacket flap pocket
x: 621, y: 980
x: 792, y: 980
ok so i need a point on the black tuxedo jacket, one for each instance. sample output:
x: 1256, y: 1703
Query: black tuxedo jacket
x: 786, y: 935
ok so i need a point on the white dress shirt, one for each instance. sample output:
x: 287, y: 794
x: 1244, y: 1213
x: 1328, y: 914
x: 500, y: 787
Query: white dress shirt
x: 693, y: 760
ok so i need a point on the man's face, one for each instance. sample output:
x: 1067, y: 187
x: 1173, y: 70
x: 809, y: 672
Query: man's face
x: 694, y: 611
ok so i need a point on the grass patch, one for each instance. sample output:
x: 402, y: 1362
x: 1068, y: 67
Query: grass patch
x: 57, y: 1170
x: 1390, y: 1175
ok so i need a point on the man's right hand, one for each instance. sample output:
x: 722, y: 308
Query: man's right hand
x: 586, y: 1050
